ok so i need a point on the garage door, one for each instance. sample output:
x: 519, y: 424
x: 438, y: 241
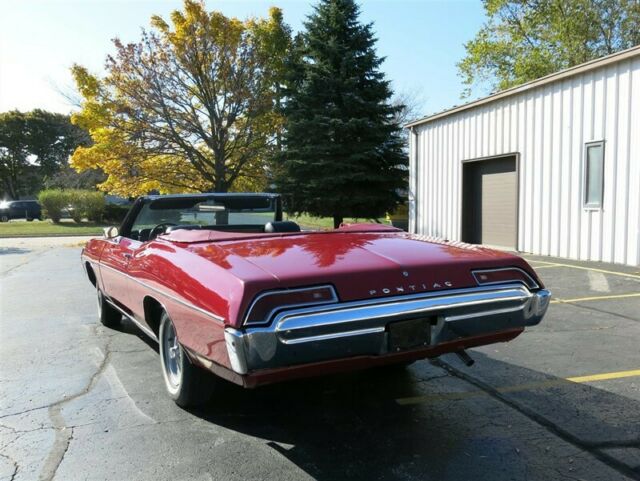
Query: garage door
x: 490, y: 202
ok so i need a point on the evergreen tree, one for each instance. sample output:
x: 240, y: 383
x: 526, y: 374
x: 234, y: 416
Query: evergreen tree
x: 343, y: 154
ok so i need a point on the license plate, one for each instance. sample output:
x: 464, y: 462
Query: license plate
x: 411, y: 334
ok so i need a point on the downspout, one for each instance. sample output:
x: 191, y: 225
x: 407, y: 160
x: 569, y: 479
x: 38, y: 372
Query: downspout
x: 413, y: 190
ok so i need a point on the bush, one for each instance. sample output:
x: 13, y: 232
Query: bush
x: 53, y: 201
x: 114, y: 213
x: 83, y: 203
x: 76, y: 202
x: 94, y: 205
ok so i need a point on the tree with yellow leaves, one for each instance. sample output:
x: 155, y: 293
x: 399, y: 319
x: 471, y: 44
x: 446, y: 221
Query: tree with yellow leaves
x: 193, y: 106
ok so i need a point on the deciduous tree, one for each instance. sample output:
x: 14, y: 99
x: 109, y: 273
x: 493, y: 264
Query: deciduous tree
x: 526, y: 39
x: 34, y: 145
x: 343, y: 152
x: 190, y: 107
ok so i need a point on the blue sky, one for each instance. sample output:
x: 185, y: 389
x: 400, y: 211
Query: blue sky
x: 422, y: 41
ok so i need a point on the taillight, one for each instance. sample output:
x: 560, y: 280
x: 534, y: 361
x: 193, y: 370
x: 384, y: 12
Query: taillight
x: 268, y: 303
x: 504, y: 275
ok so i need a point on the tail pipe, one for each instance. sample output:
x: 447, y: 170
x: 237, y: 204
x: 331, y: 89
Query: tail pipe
x: 464, y: 357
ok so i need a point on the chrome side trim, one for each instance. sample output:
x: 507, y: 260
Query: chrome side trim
x: 143, y: 328
x: 534, y: 284
x: 334, y: 299
x: 161, y: 292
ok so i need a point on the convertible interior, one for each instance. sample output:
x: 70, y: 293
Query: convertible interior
x: 147, y: 234
x: 235, y: 213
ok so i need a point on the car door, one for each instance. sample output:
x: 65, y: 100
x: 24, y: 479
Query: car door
x: 16, y: 210
x: 114, y: 263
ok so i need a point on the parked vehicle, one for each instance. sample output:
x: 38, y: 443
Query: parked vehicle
x: 20, y: 209
x: 224, y: 285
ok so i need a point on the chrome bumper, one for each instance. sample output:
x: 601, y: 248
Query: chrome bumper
x: 357, y: 328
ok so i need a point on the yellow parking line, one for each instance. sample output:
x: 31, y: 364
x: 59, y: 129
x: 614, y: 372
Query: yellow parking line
x: 595, y: 298
x: 519, y: 387
x: 606, y: 376
x: 615, y: 273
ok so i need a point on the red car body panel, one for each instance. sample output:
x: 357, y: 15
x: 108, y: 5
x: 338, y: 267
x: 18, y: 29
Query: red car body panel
x: 205, y: 280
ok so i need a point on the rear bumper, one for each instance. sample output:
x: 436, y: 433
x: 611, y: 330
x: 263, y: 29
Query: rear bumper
x: 360, y: 328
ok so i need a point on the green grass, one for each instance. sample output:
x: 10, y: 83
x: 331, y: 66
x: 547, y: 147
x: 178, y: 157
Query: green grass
x: 67, y: 227
x: 46, y: 227
x: 308, y: 222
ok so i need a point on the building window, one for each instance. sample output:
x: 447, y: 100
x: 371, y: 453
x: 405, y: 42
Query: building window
x: 594, y: 175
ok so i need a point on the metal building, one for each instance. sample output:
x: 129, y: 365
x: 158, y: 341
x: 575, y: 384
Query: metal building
x: 550, y: 167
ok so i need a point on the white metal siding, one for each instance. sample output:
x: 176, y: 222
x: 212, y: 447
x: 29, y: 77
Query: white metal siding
x: 547, y: 127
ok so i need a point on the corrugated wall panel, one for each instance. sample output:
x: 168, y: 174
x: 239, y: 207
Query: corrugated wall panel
x: 547, y: 128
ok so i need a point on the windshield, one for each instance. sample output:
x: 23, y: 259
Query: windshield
x: 242, y: 213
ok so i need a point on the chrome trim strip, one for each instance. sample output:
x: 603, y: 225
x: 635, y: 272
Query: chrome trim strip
x: 144, y: 329
x: 179, y: 301
x: 448, y: 297
x: 533, y: 282
x: 481, y: 314
x: 337, y: 335
x: 334, y: 299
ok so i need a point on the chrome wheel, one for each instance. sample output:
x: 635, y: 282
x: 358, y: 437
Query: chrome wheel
x: 171, y: 356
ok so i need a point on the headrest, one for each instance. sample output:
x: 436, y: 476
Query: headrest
x: 171, y: 228
x: 281, y: 226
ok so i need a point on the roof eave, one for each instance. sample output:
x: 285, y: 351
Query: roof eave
x: 554, y: 77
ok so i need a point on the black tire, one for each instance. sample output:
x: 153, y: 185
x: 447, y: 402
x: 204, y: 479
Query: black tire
x: 4, y: 218
x: 187, y: 384
x: 109, y: 316
x: 29, y: 219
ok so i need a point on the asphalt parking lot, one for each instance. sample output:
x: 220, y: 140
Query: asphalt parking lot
x: 80, y: 402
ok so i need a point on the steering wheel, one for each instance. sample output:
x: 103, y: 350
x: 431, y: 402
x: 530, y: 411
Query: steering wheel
x: 159, y: 229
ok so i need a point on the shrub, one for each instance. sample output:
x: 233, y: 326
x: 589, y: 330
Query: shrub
x: 53, y: 202
x: 76, y: 200
x: 93, y: 205
x: 114, y: 213
x: 83, y: 203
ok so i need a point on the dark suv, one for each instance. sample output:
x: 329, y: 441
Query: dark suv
x: 20, y: 209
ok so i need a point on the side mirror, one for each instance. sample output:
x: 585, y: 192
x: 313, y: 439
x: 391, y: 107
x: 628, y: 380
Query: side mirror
x: 110, y: 232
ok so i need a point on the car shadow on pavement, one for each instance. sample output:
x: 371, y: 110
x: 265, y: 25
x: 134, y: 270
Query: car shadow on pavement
x: 127, y: 326
x: 355, y: 425
x: 13, y: 250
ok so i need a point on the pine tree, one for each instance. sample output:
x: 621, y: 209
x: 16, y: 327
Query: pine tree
x: 343, y: 153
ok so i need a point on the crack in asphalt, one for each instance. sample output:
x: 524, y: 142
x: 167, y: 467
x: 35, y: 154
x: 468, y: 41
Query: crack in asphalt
x: 10, y: 415
x: 601, y: 311
x: 64, y: 433
x: 593, y: 449
x: 27, y: 258
x: 16, y: 466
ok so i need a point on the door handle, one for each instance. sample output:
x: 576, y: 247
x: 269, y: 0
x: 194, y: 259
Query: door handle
x: 126, y: 255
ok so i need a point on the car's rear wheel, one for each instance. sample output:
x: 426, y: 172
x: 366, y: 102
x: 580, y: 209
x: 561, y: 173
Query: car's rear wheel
x: 4, y: 218
x: 187, y: 384
x: 109, y: 316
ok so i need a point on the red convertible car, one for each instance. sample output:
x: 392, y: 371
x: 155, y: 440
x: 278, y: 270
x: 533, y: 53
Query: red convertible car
x: 224, y: 285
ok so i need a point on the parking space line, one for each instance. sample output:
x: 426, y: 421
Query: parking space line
x: 615, y: 273
x: 595, y: 298
x: 450, y: 396
x: 605, y: 377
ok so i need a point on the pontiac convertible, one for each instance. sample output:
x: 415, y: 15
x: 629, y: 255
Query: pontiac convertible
x: 225, y: 286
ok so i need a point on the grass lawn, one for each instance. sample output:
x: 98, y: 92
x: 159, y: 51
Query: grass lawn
x: 23, y: 228
x: 308, y: 222
x: 46, y: 227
